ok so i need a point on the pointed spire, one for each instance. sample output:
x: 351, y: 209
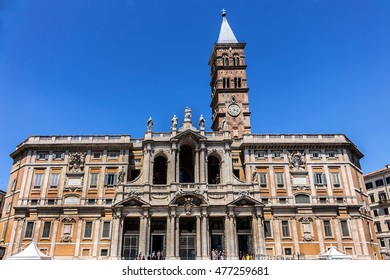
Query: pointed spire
x: 226, y: 34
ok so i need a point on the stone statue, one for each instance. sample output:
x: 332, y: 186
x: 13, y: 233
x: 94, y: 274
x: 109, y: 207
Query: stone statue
x: 201, y: 122
x: 187, y: 114
x: 150, y: 124
x: 174, y: 122
x: 224, y: 124
x: 121, y: 176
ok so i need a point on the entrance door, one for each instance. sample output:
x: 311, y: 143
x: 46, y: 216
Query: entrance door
x: 130, y: 246
x: 244, y: 245
x: 158, y: 245
x: 187, y: 246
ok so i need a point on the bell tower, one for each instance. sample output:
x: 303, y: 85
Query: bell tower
x: 229, y: 90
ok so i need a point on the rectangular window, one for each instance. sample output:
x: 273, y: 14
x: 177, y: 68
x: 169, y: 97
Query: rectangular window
x: 323, y: 200
x: 34, y: 202
x: 38, y: 181
x: 288, y: 251
x: 372, y: 198
x: 96, y: 155
x: 344, y: 228
x: 13, y: 185
x: 110, y: 179
x: 106, y: 229
x: 382, y: 196
x: 94, y: 180
x: 263, y: 179
x: 265, y: 200
x: 277, y: 154
x: 29, y: 230
x: 386, y: 211
x: 319, y: 179
x: 282, y: 200
x: 42, y: 155
x: 369, y: 185
x: 113, y: 155
x: 51, y: 202
x: 388, y: 180
x: 335, y: 179
x: 382, y: 243
x: 91, y: 201
x: 108, y: 201
x: 378, y: 227
x: 261, y: 154
x: 331, y: 154
x: 46, y: 230
x: 388, y: 226
x: 267, y: 229
x: 58, y: 155
x: 8, y: 208
x: 328, y: 229
x: 285, y: 229
x: 379, y: 183
x: 279, y: 179
x: 340, y: 200
x: 315, y: 154
x: 104, y: 252
x: 54, y: 180
x: 88, y: 230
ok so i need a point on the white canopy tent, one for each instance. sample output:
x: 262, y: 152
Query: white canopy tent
x: 30, y: 253
x: 334, y: 254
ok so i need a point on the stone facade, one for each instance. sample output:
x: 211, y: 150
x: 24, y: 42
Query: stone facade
x: 378, y: 190
x: 186, y: 193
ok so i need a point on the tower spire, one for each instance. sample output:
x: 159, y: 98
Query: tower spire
x: 226, y: 34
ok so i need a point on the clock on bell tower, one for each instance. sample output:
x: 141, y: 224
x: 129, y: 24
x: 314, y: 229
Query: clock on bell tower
x: 229, y: 90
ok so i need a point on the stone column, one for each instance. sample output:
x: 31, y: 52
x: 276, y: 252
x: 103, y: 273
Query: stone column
x: 115, y: 237
x: 177, y: 166
x: 276, y: 228
x: 168, y: 239
x: 320, y: 235
x: 205, y: 249
x: 362, y: 237
x: 228, y: 238
x: 247, y: 170
x: 96, y: 238
x: 54, y: 237
x: 260, y: 226
x: 202, y: 161
x: 355, y: 236
x: 143, y: 235
x: 17, y: 225
x: 255, y: 235
x: 336, y: 226
x: 197, y: 167
x: 177, y: 238
x: 172, y: 236
x: 199, y: 237
x: 78, y: 237
x: 234, y: 239
x: 295, y: 236
x: 37, y: 226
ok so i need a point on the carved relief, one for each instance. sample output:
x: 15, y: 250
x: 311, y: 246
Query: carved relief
x: 307, y: 230
x: 188, y: 205
x: 121, y: 176
x: 134, y: 194
x: 76, y: 162
x: 297, y: 160
x: 244, y: 193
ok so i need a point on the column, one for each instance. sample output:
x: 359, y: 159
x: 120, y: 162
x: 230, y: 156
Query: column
x: 362, y: 237
x: 205, y: 245
x: 78, y: 237
x: 276, y: 229
x: 197, y: 167
x: 295, y: 236
x: 320, y: 235
x: 246, y: 160
x: 228, y: 238
x: 339, y: 239
x: 53, y: 237
x: 177, y: 166
x: 172, y: 236
x: 14, y: 234
x: 255, y: 236
x: 177, y: 238
x: 37, y: 226
x: 142, y: 235
x: 202, y: 163
x: 355, y: 236
x: 234, y: 237
x: 260, y: 227
x: 115, y: 237
x: 168, y: 239
x: 96, y: 238
x: 199, y: 236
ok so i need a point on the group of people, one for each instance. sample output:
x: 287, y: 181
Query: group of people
x: 154, y: 256
x: 218, y: 255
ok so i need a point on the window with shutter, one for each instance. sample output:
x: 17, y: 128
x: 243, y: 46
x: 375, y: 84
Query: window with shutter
x: 335, y: 179
x: 54, y: 180
x: 279, y: 179
x: 263, y: 179
x: 38, y: 181
x: 94, y: 180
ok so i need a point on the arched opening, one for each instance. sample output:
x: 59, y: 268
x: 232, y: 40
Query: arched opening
x: 213, y: 170
x: 186, y: 165
x: 236, y: 60
x: 225, y: 60
x: 302, y: 198
x: 160, y: 170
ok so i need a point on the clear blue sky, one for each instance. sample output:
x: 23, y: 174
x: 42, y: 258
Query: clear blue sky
x: 103, y: 67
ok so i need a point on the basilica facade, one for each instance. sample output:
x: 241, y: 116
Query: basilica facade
x: 187, y: 193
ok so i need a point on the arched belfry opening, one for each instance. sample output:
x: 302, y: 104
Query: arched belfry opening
x: 186, y: 169
x: 213, y: 170
x: 160, y: 171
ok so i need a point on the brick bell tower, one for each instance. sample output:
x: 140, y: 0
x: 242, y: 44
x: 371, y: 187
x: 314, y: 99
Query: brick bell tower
x: 229, y: 90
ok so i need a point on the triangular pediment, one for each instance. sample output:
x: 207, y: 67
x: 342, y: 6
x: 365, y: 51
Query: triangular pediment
x: 189, y: 133
x: 132, y: 201
x: 245, y: 200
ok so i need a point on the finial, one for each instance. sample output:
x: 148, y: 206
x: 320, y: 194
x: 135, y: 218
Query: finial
x: 223, y: 12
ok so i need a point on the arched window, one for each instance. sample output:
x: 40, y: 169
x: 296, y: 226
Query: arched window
x: 160, y: 170
x: 225, y: 60
x: 302, y: 198
x: 186, y: 165
x: 213, y: 170
x: 236, y: 59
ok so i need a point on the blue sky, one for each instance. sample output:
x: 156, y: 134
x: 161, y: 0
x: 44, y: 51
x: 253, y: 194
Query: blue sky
x: 103, y: 67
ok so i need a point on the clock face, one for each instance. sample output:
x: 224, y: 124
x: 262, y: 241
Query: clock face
x: 234, y: 110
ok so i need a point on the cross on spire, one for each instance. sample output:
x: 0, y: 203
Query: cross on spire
x: 223, y: 12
